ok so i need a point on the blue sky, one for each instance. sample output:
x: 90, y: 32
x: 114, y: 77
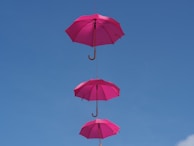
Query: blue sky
x: 152, y: 64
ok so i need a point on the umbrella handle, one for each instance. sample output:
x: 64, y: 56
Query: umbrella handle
x: 96, y: 115
x: 94, y: 57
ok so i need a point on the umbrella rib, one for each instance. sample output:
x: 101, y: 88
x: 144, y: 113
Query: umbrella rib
x: 108, y: 34
x: 103, y: 93
x: 96, y: 91
x: 82, y: 28
x: 100, y: 131
x: 85, y: 96
x: 90, y: 131
x: 104, y: 136
x: 112, y: 130
x: 90, y: 91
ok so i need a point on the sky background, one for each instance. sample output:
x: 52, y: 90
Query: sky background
x: 153, y: 65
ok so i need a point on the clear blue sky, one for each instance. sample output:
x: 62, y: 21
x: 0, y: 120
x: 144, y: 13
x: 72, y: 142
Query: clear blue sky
x: 153, y: 64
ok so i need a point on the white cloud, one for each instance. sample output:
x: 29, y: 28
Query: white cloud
x: 189, y: 141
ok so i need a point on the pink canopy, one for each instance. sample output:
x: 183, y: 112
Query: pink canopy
x: 95, y: 30
x: 97, y: 89
x: 99, y: 128
x: 107, y: 30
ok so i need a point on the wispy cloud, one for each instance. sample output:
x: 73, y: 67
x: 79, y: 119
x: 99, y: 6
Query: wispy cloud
x: 189, y: 141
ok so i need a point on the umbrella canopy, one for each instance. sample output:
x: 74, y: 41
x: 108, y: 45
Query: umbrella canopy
x: 96, y: 89
x: 99, y: 128
x: 82, y: 30
x: 95, y: 30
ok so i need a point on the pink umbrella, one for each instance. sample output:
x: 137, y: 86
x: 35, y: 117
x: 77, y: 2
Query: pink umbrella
x: 95, y: 30
x: 99, y: 128
x: 96, y: 89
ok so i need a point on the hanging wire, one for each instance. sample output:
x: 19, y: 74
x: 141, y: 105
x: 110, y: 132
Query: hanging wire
x: 96, y: 68
x: 94, y: 7
x: 100, y: 142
